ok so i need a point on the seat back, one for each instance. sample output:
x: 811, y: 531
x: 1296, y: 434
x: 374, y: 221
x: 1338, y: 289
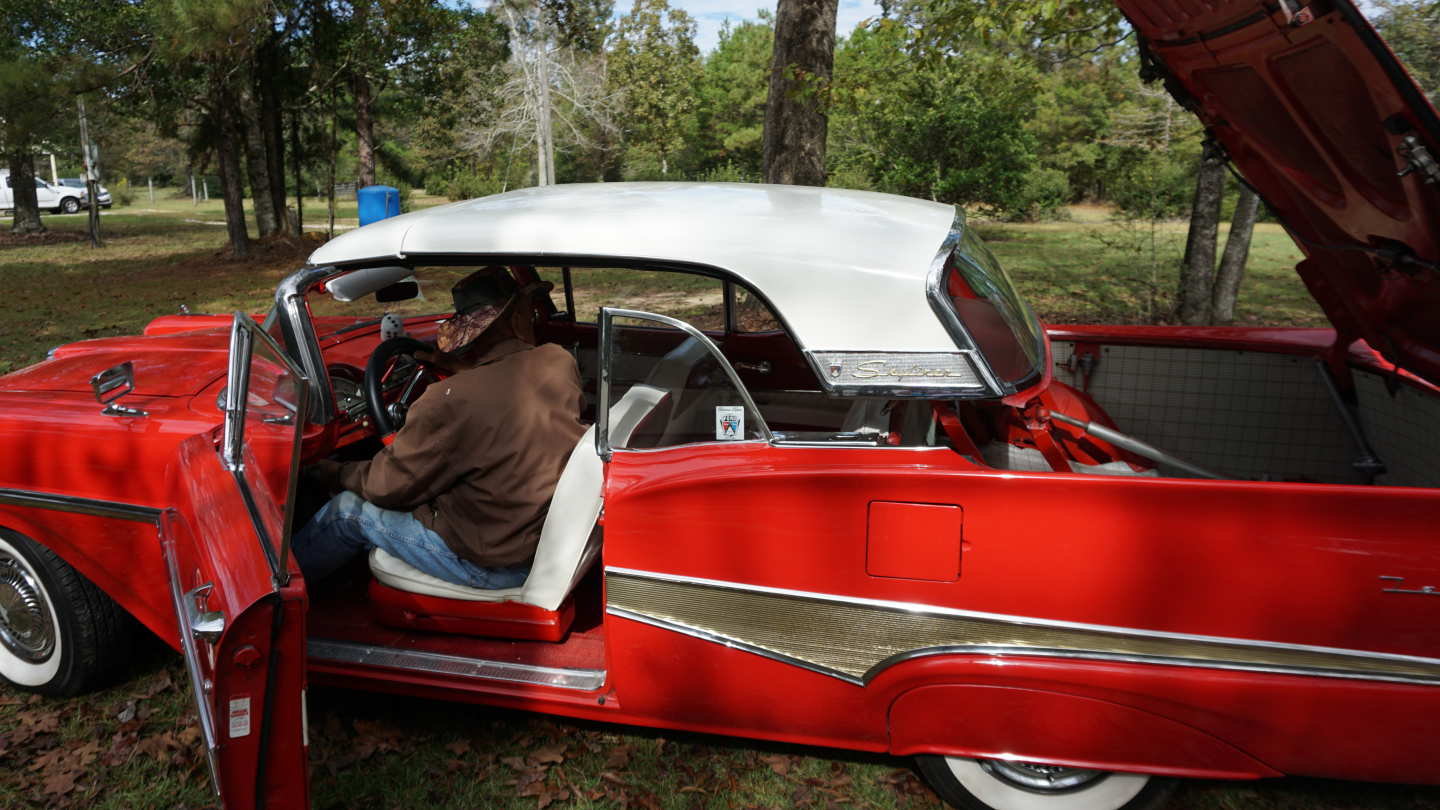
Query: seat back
x: 568, y: 544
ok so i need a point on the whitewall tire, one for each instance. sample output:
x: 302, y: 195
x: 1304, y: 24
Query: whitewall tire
x: 59, y: 634
x: 1002, y: 785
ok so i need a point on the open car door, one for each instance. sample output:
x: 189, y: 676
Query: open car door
x: 239, y: 606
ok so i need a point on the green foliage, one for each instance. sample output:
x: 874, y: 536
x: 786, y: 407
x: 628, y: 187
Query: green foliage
x: 654, y: 63
x: 121, y: 193
x: 465, y: 184
x: 1154, y: 186
x: 1412, y: 29
x: 953, y: 130
x: 731, y: 97
x: 728, y: 173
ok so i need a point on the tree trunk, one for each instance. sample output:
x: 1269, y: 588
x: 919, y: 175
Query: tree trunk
x: 274, y: 127
x: 364, y: 129
x: 295, y: 165
x: 795, y: 110
x: 1197, y: 271
x: 256, y: 163
x: 22, y: 185
x: 227, y: 149
x: 1237, y: 251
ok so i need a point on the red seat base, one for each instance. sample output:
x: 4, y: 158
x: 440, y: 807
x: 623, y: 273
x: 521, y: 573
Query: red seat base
x: 412, y: 611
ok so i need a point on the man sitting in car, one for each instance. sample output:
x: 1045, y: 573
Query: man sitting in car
x: 462, y: 491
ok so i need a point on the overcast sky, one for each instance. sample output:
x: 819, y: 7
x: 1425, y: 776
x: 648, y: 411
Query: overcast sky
x: 710, y: 14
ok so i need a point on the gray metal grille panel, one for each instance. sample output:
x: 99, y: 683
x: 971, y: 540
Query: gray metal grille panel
x: 1248, y: 414
x: 1403, y: 429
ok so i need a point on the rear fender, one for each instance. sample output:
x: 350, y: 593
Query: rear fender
x: 1001, y: 722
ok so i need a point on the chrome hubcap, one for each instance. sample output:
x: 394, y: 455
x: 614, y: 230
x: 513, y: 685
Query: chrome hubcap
x: 26, y: 630
x: 1039, y: 778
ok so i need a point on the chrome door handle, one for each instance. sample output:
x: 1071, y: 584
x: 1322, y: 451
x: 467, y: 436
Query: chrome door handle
x: 761, y: 367
x: 203, y: 624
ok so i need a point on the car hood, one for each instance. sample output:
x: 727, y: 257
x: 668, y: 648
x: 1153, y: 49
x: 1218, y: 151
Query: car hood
x: 1319, y: 116
x: 165, y: 366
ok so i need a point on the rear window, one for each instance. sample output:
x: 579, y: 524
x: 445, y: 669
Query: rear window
x: 1002, y: 327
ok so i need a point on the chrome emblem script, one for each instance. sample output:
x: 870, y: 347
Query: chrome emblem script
x: 1423, y: 590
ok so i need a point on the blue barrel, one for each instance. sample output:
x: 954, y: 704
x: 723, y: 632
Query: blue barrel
x: 377, y: 203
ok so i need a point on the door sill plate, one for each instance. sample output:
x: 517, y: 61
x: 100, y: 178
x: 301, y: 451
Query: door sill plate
x: 349, y: 652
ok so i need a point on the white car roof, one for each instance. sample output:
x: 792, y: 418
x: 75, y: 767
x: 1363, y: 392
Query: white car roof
x: 846, y: 270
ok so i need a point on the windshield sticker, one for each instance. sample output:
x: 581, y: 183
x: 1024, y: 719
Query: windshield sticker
x: 729, y: 422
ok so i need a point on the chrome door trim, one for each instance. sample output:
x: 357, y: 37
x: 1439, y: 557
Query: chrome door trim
x: 602, y: 415
x: 118, y: 510
x: 351, y: 652
x: 200, y: 686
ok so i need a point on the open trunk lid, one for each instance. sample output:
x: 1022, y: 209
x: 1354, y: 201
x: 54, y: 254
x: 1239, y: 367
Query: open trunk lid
x: 1319, y: 116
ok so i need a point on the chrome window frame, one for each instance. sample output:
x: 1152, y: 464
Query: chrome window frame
x: 243, y: 333
x: 606, y: 340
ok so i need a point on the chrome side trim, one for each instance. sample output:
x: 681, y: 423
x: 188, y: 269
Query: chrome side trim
x: 1003, y: 651
x: 921, y: 611
x: 80, y: 506
x: 349, y: 652
x: 732, y: 643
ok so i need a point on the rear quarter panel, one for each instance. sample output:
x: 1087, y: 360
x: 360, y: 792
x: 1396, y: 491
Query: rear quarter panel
x: 1274, y: 563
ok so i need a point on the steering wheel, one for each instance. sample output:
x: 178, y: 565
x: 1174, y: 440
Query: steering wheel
x: 389, y: 418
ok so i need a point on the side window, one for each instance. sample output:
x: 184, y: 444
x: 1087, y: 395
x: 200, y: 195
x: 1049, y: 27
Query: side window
x: 664, y: 385
x: 749, y: 314
x: 697, y: 300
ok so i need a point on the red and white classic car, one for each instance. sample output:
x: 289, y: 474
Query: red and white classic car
x: 842, y: 488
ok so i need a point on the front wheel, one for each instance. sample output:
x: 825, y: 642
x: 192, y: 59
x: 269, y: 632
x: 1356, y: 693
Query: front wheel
x: 992, y: 784
x: 59, y: 634
x: 69, y: 205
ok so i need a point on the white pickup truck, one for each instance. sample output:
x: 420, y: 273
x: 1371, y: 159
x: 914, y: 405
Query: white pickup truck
x: 57, y: 199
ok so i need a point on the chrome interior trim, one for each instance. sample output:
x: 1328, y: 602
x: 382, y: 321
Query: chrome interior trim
x: 800, y: 624
x: 732, y: 643
x: 80, y: 506
x: 349, y: 652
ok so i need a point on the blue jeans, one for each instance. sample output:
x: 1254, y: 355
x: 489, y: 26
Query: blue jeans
x: 349, y: 525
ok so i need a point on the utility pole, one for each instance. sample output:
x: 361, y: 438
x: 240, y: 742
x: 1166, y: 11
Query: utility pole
x: 92, y: 175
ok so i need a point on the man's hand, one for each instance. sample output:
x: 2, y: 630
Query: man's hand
x: 446, y: 362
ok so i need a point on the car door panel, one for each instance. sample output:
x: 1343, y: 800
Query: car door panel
x: 242, y: 636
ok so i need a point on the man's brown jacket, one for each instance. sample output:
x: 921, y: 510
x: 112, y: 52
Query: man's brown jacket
x: 480, y: 452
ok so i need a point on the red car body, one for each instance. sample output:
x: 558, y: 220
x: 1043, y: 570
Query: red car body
x: 911, y: 599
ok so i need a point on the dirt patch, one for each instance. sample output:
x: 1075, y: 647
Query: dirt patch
x: 51, y: 237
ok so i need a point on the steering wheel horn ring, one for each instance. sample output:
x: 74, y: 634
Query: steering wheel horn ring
x: 387, y: 417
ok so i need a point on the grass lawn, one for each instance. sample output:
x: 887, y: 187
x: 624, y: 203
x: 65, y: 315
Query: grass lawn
x: 135, y: 745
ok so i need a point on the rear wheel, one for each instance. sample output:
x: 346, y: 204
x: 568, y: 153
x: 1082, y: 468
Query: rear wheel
x: 990, y: 784
x: 59, y: 634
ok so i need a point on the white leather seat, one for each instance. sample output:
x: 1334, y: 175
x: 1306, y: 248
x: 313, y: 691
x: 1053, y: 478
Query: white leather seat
x: 568, y: 544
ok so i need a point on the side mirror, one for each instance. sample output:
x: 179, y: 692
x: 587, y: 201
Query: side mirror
x: 112, y: 384
x: 399, y: 291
